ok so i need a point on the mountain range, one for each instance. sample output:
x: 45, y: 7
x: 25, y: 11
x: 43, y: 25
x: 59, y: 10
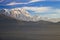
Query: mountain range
x: 22, y: 14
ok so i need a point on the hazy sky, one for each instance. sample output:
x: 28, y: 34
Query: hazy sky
x: 47, y: 8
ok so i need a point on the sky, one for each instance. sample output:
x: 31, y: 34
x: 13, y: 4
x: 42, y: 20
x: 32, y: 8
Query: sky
x: 45, y: 8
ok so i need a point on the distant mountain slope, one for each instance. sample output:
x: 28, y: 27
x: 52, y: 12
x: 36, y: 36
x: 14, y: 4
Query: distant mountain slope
x: 6, y: 19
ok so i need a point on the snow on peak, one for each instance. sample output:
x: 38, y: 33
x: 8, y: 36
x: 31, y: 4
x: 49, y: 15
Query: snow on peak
x: 20, y: 11
x: 17, y: 13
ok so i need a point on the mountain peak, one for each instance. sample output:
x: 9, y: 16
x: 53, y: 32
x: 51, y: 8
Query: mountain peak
x: 17, y: 13
x: 20, y: 11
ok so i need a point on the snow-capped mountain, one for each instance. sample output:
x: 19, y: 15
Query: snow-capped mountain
x: 17, y: 13
x: 22, y: 14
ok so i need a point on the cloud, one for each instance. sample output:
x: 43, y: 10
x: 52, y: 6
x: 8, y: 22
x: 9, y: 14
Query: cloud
x: 45, y: 11
x: 15, y: 3
x: 31, y: 1
x: 35, y: 1
x: 38, y: 9
x: 53, y: 0
x: 53, y: 13
x: 1, y: 0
